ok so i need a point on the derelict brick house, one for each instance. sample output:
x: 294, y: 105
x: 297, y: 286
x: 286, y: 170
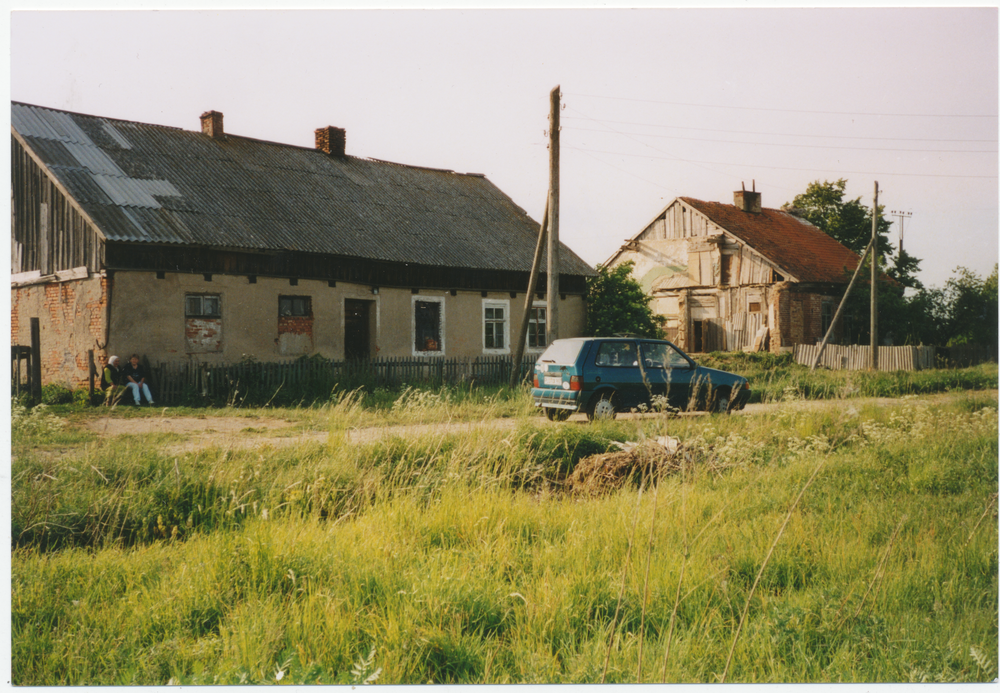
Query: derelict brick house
x: 177, y: 244
x: 737, y: 277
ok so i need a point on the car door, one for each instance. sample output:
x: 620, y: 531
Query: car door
x: 616, y: 364
x: 668, y: 373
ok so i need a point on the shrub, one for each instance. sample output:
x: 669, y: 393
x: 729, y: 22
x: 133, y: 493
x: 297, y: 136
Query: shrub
x: 56, y: 394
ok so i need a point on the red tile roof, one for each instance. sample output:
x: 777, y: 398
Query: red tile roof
x: 800, y: 249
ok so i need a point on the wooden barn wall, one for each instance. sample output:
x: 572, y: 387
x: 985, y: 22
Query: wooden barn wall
x: 679, y: 221
x: 739, y: 325
x: 48, y: 233
x: 744, y: 265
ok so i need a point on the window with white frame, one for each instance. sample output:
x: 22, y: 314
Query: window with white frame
x: 428, y: 325
x: 536, y: 326
x: 496, y: 326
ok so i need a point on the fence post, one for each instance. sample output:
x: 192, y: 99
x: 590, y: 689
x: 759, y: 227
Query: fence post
x: 36, y: 361
x: 90, y: 372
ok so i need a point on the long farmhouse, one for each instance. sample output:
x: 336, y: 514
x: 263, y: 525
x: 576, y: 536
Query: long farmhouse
x: 178, y: 244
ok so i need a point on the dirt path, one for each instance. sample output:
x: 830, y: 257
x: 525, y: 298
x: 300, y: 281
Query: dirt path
x: 249, y: 432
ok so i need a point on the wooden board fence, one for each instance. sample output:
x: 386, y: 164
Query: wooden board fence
x: 176, y: 382
x: 858, y: 358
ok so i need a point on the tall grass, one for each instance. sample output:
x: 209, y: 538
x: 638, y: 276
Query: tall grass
x: 461, y: 559
x: 772, y: 377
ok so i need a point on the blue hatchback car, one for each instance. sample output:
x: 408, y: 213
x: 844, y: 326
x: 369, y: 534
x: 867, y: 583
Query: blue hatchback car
x: 602, y: 376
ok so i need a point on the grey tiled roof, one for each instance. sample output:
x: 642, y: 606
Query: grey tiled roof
x: 155, y: 184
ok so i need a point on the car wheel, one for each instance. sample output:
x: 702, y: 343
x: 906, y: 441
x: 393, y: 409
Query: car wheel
x: 557, y: 414
x: 722, y: 403
x: 604, y: 408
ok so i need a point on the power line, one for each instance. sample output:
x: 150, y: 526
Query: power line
x: 781, y: 168
x: 778, y: 144
x: 788, y: 110
x: 778, y: 134
x: 660, y: 185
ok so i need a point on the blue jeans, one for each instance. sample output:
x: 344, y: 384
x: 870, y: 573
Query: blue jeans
x: 134, y: 387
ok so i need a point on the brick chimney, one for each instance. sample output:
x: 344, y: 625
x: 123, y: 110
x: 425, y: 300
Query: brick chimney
x: 211, y: 125
x: 331, y: 140
x: 747, y: 201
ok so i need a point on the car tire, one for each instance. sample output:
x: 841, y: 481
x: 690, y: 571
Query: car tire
x: 554, y: 414
x: 604, y: 408
x: 721, y: 401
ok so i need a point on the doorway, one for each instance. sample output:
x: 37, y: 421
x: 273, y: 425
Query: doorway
x: 357, y: 329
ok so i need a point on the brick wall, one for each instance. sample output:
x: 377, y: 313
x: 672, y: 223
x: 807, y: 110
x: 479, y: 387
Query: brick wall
x: 799, y: 317
x: 72, y: 319
x: 296, y: 325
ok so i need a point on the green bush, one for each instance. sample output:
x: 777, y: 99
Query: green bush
x: 56, y: 394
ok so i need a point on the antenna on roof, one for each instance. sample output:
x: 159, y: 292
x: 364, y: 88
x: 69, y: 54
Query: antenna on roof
x: 743, y: 186
x: 754, y: 185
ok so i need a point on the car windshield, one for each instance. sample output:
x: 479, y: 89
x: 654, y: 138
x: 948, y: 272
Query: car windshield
x: 659, y: 355
x: 562, y: 351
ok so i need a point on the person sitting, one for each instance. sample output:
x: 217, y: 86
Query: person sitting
x: 136, y: 381
x: 111, y: 380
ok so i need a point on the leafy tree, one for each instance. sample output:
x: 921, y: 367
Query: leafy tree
x: 971, y: 308
x: 904, y: 270
x: 902, y: 317
x: 850, y: 222
x: 616, y: 304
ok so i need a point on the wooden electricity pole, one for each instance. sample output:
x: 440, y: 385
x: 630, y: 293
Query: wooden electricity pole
x: 874, y: 261
x: 840, y: 308
x: 522, y: 333
x: 552, y: 294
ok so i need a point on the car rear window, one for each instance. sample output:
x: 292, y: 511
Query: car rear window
x: 562, y: 352
x: 617, y: 354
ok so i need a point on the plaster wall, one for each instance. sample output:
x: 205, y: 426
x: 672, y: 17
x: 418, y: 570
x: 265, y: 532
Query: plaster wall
x: 148, y: 318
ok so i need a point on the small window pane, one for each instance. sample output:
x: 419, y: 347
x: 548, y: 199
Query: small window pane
x: 494, y: 337
x: 294, y: 306
x: 536, y: 328
x: 199, y: 306
x: 427, y: 319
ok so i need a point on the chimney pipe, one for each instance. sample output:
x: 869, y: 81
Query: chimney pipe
x: 211, y: 125
x: 331, y: 140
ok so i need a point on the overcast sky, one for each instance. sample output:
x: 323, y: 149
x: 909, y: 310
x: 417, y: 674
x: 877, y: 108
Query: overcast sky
x: 658, y: 103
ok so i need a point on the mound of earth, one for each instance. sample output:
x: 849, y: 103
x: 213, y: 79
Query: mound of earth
x: 600, y: 474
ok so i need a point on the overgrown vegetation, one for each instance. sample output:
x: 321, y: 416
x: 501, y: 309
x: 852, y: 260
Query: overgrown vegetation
x: 848, y: 542
x: 775, y: 377
x: 964, y: 311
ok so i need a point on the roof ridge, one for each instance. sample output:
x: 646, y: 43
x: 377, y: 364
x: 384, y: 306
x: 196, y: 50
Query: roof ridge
x: 230, y: 135
x: 91, y: 115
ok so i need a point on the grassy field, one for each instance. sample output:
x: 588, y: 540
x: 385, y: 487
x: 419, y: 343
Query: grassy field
x: 850, y: 542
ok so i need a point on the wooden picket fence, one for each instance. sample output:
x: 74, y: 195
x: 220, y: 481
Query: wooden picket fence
x: 179, y: 382
x: 857, y: 358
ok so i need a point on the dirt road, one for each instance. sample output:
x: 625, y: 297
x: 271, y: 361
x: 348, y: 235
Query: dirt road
x: 243, y: 432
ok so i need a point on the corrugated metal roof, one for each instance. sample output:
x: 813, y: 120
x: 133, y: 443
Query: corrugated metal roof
x: 148, y: 183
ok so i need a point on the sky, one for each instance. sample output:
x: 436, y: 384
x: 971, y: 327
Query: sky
x: 657, y: 103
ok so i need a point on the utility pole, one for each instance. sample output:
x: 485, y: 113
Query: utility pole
x: 552, y: 278
x: 522, y: 333
x: 902, y: 216
x: 874, y: 262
